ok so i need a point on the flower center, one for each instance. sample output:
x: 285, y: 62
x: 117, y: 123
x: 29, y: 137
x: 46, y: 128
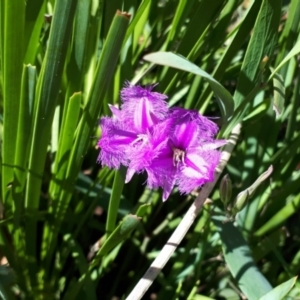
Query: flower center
x: 178, y: 156
x: 141, y: 139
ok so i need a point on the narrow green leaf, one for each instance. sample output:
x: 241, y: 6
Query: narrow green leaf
x: 66, y: 139
x: 239, y: 260
x: 122, y: 231
x: 177, y: 20
x: 136, y: 19
x: 200, y: 297
x: 261, y: 45
x: 142, y: 210
x: 267, y: 244
x: 169, y: 59
x: 280, y: 291
x: 199, y: 23
x: 13, y: 37
x: 289, y: 35
x: 279, y: 94
x: 257, y: 112
x: 25, y: 121
x: 104, y: 73
x: 114, y: 200
x: 82, y: 264
x: 295, y: 50
x: 1, y: 42
x: 33, y: 34
x: 48, y: 87
x: 236, y: 43
x: 105, y: 69
x: 75, y: 70
x: 240, y: 112
x: 292, y: 119
x: 23, y: 134
x: 283, y: 214
x: 47, y: 91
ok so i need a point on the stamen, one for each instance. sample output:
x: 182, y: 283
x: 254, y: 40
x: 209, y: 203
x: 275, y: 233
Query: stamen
x: 143, y: 138
x: 178, y: 156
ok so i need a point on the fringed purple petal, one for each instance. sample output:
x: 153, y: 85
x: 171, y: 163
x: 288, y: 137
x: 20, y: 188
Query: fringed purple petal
x: 114, y: 144
x: 162, y: 173
x: 117, y: 114
x: 142, y: 107
x: 185, y: 135
x: 129, y: 174
x: 182, y: 115
x: 209, y: 145
x: 152, y: 145
x: 200, y: 171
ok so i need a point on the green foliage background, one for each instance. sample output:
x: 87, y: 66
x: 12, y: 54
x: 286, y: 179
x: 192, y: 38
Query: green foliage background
x: 71, y: 229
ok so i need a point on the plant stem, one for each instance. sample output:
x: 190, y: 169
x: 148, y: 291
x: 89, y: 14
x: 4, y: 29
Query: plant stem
x: 114, y: 201
x: 188, y: 220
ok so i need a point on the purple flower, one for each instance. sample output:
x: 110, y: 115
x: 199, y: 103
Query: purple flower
x: 194, y: 150
x: 187, y: 155
x: 128, y: 129
x: 175, y: 147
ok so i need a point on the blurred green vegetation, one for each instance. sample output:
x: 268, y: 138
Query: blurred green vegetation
x: 61, y: 63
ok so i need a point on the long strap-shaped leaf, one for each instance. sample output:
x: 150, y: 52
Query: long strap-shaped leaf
x: 104, y: 73
x: 47, y: 90
x: 13, y: 34
x: 239, y: 260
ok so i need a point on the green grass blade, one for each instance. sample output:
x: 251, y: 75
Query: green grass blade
x: 35, y: 14
x: 236, y: 43
x: 169, y: 59
x: 282, y: 215
x: 65, y: 144
x: 292, y: 120
x: 279, y: 94
x: 1, y: 43
x: 81, y: 262
x: 177, y: 20
x: 289, y: 33
x: 47, y: 90
x: 75, y: 70
x: 262, y: 44
x: 240, y: 262
x: 193, y: 41
x: 13, y: 36
x: 199, y: 23
x: 122, y: 231
x: 295, y: 50
x: 280, y: 291
x: 136, y: 19
x: 23, y: 134
x: 114, y: 201
x: 66, y: 139
x: 104, y: 73
x: 240, y: 112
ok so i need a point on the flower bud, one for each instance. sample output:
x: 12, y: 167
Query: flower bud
x: 225, y: 189
x: 241, y: 201
x: 263, y: 63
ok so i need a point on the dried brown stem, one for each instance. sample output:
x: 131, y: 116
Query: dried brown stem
x: 185, y: 224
